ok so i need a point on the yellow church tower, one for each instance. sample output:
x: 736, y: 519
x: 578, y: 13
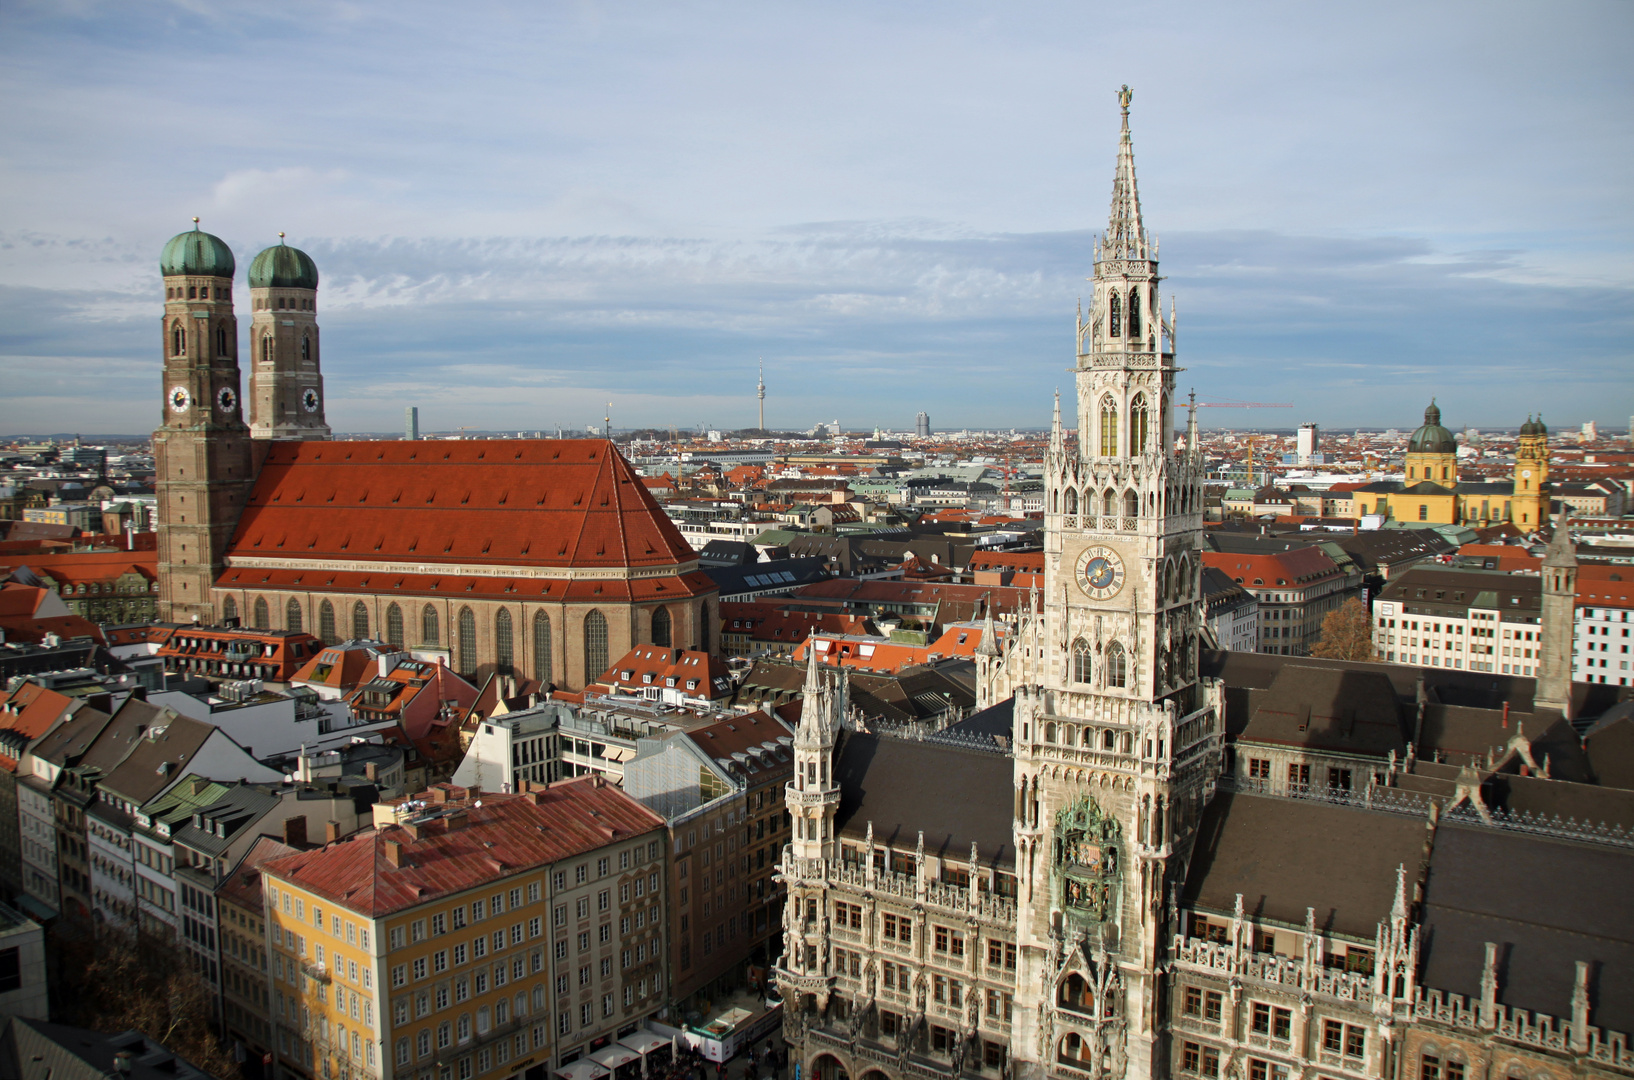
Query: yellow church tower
x: 1529, y: 504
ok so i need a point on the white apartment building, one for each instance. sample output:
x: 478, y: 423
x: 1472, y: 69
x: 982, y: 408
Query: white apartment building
x: 1473, y: 620
x: 1600, y: 645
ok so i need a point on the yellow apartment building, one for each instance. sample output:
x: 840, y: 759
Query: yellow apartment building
x: 469, y: 935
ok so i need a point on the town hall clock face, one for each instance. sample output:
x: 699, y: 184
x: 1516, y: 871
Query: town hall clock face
x: 309, y: 400
x: 1100, y: 573
x: 180, y: 398
x: 226, y: 400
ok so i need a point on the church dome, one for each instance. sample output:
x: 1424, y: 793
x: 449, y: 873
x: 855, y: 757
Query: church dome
x: 197, y: 252
x: 1432, y: 438
x: 1534, y: 427
x: 283, y: 267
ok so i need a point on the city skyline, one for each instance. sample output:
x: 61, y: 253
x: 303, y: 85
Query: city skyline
x: 499, y: 248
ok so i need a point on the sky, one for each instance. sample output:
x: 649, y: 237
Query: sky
x: 522, y: 212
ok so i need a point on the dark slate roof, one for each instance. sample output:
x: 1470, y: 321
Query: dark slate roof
x: 1546, y: 904
x: 904, y: 787
x: 34, y: 1048
x: 777, y: 575
x: 1610, y: 749
x: 1345, y: 711
x: 1286, y: 855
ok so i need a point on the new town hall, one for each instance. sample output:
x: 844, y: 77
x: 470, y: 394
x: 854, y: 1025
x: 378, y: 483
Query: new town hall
x: 1148, y: 860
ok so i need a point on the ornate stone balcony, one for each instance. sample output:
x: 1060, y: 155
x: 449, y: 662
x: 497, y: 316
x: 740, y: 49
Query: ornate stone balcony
x: 1220, y: 960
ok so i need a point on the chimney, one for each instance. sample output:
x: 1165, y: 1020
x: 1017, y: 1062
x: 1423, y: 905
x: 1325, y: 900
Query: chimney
x: 371, y: 770
x: 455, y: 821
x: 331, y: 831
x: 295, y: 831
x: 473, y: 792
x: 394, y: 853
x: 439, y: 794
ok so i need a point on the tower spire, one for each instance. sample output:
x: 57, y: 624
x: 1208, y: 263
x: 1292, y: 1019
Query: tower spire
x: 760, y: 389
x: 1125, y: 234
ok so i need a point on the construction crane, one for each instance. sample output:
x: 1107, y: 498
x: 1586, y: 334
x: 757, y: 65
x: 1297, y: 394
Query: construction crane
x: 1228, y: 404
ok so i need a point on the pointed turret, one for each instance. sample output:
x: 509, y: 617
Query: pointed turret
x: 1125, y: 234
x: 1561, y: 554
x: 989, y: 645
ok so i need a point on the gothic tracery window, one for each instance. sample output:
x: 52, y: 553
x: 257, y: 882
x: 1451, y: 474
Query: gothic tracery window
x: 1109, y: 427
x: 394, y: 626
x: 504, y: 645
x: 1114, y: 315
x: 660, y: 627
x: 429, y: 634
x: 292, y: 615
x: 229, y: 608
x: 261, y: 618
x: 595, y: 645
x: 467, y: 659
x: 178, y: 339
x: 360, y: 621
x: 1117, y: 665
x: 1139, y: 423
x: 326, y: 622
x: 1134, y: 313
x: 542, y: 661
x: 1081, y: 667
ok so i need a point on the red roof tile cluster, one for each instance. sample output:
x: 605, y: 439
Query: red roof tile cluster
x: 30, y: 710
x: 544, y: 502
x: 86, y: 567
x: 453, y: 844
x: 1290, y: 569
x: 765, y: 620
x: 26, y: 616
x: 696, y: 673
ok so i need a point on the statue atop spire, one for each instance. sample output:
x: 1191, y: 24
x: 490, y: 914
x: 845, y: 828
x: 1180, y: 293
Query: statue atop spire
x: 1125, y: 234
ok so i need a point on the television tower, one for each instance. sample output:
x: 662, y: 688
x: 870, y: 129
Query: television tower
x: 760, y: 390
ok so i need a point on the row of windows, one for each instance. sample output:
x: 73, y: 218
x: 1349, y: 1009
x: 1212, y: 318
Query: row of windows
x: 199, y: 292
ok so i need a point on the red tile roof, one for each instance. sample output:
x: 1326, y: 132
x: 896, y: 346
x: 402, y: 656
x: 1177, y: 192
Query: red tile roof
x: 87, y: 567
x: 30, y: 710
x: 693, y: 672
x: 1288, y: 569
x: 548, y: 503
x: 505, y: 835
x: 22, y: 623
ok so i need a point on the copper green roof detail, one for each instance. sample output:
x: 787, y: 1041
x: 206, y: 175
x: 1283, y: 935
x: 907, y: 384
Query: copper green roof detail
x: 1432, y: 438
x: 283, y: 267
x: 197, y: 253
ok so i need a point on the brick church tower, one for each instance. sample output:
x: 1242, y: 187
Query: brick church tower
x: 202, y: 447
x: 286, y: 383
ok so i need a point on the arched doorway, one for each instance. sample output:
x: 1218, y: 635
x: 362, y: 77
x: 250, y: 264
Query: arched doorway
x: 828, y: 1067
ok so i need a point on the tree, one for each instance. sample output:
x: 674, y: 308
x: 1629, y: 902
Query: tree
x: 1347, y: 634
x: 112, y: 981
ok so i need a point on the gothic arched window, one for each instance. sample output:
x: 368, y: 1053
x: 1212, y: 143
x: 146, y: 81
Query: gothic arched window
x: 260, y: 617
x: 394, y: 626
x: 504, y: 645
x: 1109, y: 741
x: 467, y: 659
x: 1134, y: 313
x: 221, y: 340
x: 595, y: 645
x: 1072, y: 501
x: 229, y: 608
x: 429, y: 634
x: 1109, y: 427
x: 292, y: 615
x: 542, y: 660
x: 703, y: 627
x: 1109, y: 503
x: 1117, y: 665
x: 360, y: 621
x: 266, y: 349
x: 1081, y: 667
x: 178, y: 339
x: 1114, y: 315
x: 1139, y: 425
x: 660, y: 627
x: 326, y: 622
x: 1131, y: 504
x: 306, y: 347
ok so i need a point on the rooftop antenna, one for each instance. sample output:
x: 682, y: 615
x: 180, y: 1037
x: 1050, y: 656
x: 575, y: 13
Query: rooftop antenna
x: 607, y: 421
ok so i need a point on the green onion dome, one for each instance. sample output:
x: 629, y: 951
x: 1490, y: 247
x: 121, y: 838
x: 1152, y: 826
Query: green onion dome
x: 283, y: 267
x: 197, y: 253
x: 1432, y: 438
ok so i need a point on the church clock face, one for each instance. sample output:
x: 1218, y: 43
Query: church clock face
x: 180, y: 398
x: 1100, y: 573
x: 226, y: 400
x: 309, y: 399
